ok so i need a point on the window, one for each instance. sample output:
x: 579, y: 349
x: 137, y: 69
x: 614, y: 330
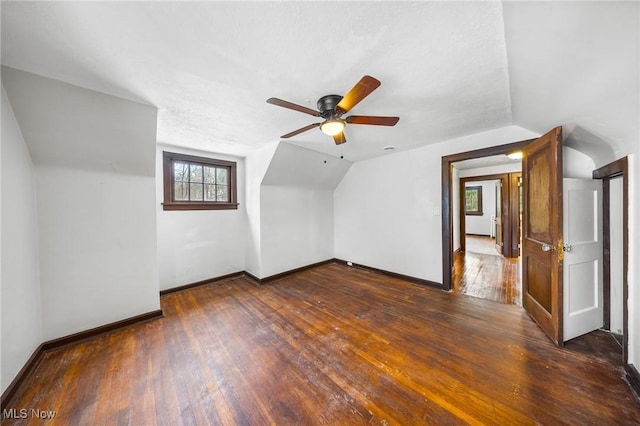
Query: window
x: 473, y: 200
x: 198, y: 183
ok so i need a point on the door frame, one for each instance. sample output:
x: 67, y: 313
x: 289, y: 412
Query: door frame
x: 447, y: 200
x: 618, y: 168
x: 514, y: 212
x: 502, y: 177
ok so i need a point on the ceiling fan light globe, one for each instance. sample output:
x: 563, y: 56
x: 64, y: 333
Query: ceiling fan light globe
x: 332, y: 127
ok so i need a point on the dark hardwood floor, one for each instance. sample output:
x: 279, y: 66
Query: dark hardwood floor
x: 487, y: 276
x: 331, y: 345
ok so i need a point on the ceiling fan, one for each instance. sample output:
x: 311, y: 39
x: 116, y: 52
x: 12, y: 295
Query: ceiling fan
x: 332, y: 107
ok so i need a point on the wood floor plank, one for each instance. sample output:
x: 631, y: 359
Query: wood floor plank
x: 331, y: 345
x: 488, y: 277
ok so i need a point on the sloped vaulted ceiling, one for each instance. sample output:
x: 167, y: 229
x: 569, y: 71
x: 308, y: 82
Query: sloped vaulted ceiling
x: 448, y: 69
x: 68, y: 126
x: 577, y: 65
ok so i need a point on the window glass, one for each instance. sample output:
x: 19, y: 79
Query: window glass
x: 473, y: 200
x: 197, y: 183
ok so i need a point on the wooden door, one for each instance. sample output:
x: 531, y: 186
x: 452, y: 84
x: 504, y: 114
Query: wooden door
x: 582, y: 289
x: 542, y: 245
x: 498, y: 218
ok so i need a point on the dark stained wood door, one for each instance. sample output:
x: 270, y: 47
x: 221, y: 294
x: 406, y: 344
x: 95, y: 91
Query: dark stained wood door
x: 498, y: 218
x: 542, y: 244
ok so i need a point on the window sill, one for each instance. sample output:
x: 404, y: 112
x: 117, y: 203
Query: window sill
x: 474, y: 213
x: 200, y: 206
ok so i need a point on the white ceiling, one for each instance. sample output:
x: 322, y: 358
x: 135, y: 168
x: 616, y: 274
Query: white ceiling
x: 448, y: 69
x: 494, y: 160
x: 577, y: 64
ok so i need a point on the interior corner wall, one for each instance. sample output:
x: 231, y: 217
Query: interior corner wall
x: 395, y: 224
x: 296, y: 227
x: 196, y: 245
x: 296, y: 208
x: 21, y: 329
x: 256, y: 166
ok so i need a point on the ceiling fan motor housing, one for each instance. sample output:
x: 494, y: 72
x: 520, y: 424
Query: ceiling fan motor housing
x: 327, y: 105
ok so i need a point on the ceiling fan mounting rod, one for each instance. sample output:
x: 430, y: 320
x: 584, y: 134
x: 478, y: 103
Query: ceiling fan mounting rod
x: 327, y: 106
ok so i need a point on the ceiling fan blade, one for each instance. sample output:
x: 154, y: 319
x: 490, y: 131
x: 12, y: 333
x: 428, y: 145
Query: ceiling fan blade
x: 372, y: 119
x: 361, y: 90
x: 339, y: 139
x: 295, y: 107
x: 303, y: 129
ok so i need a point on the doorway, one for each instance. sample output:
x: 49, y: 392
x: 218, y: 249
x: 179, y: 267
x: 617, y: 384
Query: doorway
x: 618, y: 168
x: 487, y: 264
x: 449, y: 194
x: 615, y: 200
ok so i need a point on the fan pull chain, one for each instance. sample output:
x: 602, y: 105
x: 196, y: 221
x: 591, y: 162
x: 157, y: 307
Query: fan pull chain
x: 324, y: 151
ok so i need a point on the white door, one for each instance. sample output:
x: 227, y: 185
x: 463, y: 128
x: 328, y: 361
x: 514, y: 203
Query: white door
x: 582, y: 277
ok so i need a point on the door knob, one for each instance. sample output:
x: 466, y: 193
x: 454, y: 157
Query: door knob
x: 547, y: 247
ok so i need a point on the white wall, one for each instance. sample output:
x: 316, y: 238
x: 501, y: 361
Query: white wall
x: 196, y: 245
x: 94, y: 156
x: 98, y: 259
x: 21, y: 322
x: 395, y: 224
x: 576, y: 164
x: 256, y: 166
x: 481, y: 225
x: 296, y: 227
x: 392, y: 224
